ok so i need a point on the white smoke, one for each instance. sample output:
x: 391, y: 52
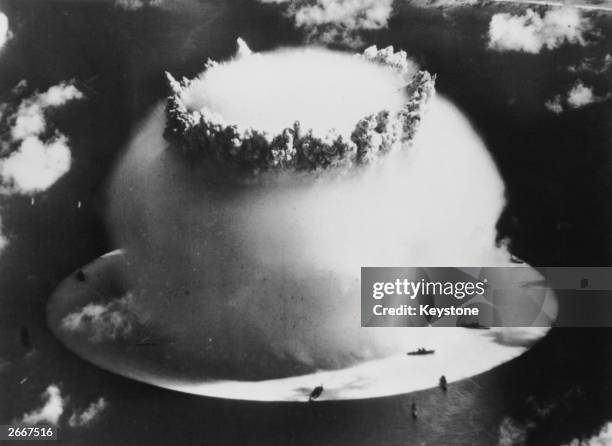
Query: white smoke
x: 531, y: 32
x: 5, y: 33
x: 257, y: 275
x: 348, y: 89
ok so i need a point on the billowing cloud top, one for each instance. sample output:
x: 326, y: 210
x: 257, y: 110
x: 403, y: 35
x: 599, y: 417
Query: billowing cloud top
x: 195, y: 123
x: 531, y: 32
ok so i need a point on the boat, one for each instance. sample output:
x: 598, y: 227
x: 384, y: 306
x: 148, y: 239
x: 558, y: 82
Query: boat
x: 316, y: 393
x: 443, y: 383
x: 421, y: 351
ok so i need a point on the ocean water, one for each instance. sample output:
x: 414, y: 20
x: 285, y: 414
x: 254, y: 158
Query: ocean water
x: 556, y: 169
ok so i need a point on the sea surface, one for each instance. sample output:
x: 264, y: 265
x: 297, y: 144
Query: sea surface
x: 556, y: 168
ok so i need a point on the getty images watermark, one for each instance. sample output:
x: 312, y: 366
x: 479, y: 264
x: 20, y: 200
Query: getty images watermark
x: 486, y: 297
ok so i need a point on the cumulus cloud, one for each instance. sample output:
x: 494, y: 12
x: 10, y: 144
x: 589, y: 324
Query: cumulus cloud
x: 29, y: 120
x: 86, y: 417
x: 444, y: 3
x: 593, y: 65
x: 133, y: 5
x: 555, y: 104
x: 103, y: 322
x: 3, y: 238
x: 580, y: 95
x: 5, y: 33
x: 35, y: 162
x: 338, y: 20
x: 604, y: 438
x: 531, y: 32
x: 511, y: 433
x: 51, y: 410
x: 36, y: 165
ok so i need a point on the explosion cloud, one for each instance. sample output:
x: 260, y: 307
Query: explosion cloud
x: 365, y: 96
x: 245, y: 244
x: 5, y: 34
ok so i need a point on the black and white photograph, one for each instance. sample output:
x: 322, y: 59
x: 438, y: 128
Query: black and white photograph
x: 306, y: 222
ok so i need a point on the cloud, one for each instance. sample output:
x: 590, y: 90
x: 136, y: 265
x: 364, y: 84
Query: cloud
x: 86, y: 417
x: 3, y: 238
x: 604, y: 438
x: 444, y: 3
x: 350, y: 87
x: 511, y: 433
x: 5, y: 33
x: 554, y: 105
x: 30, y: 117
x: 593, y: 65
x: 531, y: 32
x: 36, y: 165
x: 35, y: 162
x: 338, y: 20
x: 578, y: 96
x: 103, y: 322
x: 133, y: 5
x: 51, y: 410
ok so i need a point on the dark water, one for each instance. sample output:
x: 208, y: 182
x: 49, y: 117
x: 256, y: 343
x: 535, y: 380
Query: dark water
x: 556, y: 168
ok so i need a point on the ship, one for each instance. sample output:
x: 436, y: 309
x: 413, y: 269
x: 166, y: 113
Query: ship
x: 421, y: 351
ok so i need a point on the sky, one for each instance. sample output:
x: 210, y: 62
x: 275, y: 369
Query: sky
x: 534, y: 82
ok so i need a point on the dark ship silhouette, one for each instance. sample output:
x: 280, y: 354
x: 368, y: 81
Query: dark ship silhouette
x: 443, y: 383
x: 316, y: 393
x: 421, y: 351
